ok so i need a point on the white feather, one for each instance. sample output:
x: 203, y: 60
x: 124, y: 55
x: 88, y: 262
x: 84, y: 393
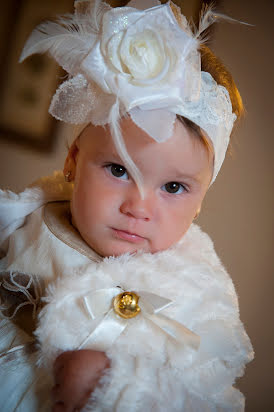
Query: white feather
x: 114, y: 122
x: 70, y: 38
x: 95, y: 8
x: 209, y: 16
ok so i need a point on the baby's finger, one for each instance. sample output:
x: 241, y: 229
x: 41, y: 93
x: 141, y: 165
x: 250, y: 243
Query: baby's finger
x: 55, y: 393
x: 69, y: 397
x: 59, y: 407
x: 61, y: 394
x: 60, y: 362
x: 64, y: 407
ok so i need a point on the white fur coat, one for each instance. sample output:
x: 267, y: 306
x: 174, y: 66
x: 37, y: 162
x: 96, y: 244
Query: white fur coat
x: 150, y: 371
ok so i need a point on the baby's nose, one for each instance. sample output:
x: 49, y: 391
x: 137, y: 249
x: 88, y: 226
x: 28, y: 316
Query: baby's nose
x: 136, y: 207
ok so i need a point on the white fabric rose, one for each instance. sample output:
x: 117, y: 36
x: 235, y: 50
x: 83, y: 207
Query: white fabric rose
x: 138, y: 49
x: 140, y: 57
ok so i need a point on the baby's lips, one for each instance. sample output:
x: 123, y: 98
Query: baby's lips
x: 131, y: 237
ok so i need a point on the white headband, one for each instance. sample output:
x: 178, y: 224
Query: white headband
x: 134, y: 60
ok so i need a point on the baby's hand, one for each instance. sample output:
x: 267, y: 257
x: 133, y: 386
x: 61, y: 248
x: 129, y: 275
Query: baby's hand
x: 76, y: 375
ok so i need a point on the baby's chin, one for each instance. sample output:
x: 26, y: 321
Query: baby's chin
x: 118, y: 250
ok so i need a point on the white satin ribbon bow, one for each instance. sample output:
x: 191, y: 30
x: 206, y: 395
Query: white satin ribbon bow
x: 99, y: 302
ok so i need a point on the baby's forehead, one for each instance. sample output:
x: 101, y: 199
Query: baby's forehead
x: 183, y: 153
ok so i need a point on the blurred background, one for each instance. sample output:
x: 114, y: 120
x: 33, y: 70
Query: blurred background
x: 238, y: 210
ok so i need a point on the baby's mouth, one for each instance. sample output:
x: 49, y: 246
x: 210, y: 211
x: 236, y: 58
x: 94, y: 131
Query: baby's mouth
x: 128, y: 236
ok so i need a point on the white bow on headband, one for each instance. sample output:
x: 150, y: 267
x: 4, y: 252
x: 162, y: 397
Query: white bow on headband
x: 137, y: 61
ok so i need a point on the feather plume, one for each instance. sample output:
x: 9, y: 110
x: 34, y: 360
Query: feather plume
x: 98, y: 10
x: 114, y: 122
x: 67, y: 46
x: 70, y: 38
x: 209, y: 16
x: 95, y: 9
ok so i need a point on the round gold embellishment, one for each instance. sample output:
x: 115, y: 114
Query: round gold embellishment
x: 126, y: 305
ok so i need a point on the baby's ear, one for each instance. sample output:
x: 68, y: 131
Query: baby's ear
x: 71, y: 161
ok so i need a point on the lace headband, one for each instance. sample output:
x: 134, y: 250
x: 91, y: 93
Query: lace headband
x: 137, y: 60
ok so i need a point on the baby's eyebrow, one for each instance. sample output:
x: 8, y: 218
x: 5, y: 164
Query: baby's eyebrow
x: 178, y: 174
x: 108, y: 154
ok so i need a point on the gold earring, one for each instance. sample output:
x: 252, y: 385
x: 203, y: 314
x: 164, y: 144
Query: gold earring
x: 196, y: 214
x: 68, y: 176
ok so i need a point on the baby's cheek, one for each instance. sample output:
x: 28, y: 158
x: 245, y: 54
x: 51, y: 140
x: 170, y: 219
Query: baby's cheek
x: 82, y: 202
x: 170, y: 233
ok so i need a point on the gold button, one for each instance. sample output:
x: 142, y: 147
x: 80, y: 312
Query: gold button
x: 126, y: 305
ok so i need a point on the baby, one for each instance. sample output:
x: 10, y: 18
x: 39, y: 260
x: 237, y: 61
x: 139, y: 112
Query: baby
x: 108, y: 211
x: 140, y: 313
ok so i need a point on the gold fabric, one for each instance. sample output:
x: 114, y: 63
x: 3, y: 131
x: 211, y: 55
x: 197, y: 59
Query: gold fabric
x: 57, y: 219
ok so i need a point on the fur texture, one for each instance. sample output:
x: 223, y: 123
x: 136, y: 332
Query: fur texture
x: 150, y: 371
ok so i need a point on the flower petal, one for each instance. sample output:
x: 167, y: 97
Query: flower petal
x: 156, y: 123
x: 94, y: 67
x: 117, y: 20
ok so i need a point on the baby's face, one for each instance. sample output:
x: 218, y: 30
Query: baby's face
x: 106, y: 205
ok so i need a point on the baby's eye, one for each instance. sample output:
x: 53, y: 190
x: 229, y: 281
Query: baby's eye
x: 117, y: 171
x: 173, y: 187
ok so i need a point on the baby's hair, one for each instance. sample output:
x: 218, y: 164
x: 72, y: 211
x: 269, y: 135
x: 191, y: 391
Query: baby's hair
x: 196, y: 131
